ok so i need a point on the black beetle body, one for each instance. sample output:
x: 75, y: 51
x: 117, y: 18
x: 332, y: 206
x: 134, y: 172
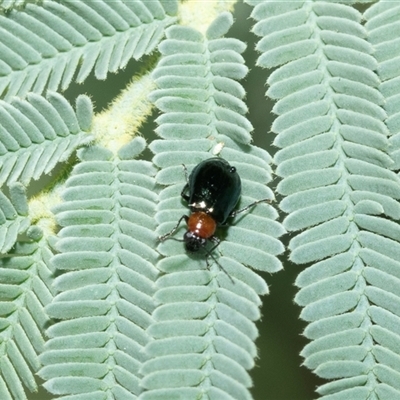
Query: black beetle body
x: 214, y: 187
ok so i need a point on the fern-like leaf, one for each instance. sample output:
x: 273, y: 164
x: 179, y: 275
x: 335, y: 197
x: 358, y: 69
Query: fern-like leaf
x: 339, y: 192
x: 25, y: 286
x: 204, y: 327
x: 106, y: 280
x: 38, y: 133
x: 13, y: 216
x: 44, y: 45
x: 382, y: 24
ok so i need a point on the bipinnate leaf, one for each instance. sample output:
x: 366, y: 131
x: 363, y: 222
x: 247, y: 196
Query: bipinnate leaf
x: 340, y: 195
x: 25, y: 290
x: 382, y: 24
x: 204, y: 323
x: 106, y: 276
x: 37, y: 133
x: 14, y: 218
x: 47, y: 45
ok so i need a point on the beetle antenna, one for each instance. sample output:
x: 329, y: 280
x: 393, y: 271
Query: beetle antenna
x: 236, y: 212
x: 174, y: 229
x: 209, y: 254
x: 219, y: 265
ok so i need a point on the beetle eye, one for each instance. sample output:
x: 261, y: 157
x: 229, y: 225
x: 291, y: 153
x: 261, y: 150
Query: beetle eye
x: 232, y: 170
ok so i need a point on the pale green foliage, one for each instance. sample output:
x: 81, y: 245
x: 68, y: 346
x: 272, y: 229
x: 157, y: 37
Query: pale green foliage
x: 44, y: 46
x: 118, y: 332
x: 105, y: 249
x: 25, y: 284
x: 339, y: 191
x: 38, y: 133
x: 204, y: 324
x: 383, y: 23
x: 93, y: 304
x: 35, y: 135
x: 13, y: 216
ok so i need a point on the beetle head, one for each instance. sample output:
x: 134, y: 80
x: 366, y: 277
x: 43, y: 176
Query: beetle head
x: 193, y: 242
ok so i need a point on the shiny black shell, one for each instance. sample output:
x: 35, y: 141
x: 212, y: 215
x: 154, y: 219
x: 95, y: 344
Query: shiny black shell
x: 214, y: 187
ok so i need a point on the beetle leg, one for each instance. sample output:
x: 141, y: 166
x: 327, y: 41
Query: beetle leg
x: 183, y: 194
x: 236, y: 212
x: 173, y: 230
x: 215, y: 240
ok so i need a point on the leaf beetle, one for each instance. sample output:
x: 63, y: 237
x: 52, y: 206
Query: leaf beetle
x: 212, y: 192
